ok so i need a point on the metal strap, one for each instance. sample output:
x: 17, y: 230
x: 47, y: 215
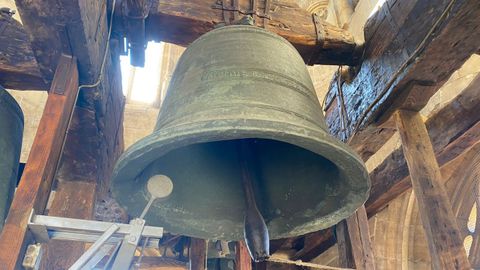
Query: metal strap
x: 253, y: 8
x: 226, y: 16
x: 266, y: 12
x: 319, y: 29
x: 237, y: 11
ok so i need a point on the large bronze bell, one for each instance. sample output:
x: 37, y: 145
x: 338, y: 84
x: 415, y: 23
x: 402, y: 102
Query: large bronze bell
x: 11, y: 131
x: 241, y: 82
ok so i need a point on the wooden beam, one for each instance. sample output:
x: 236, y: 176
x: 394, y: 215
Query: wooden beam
x: 73, y: 199
x: 161, y: 263
x: 353, y: 242
x: 18, y: 67
x: 76, y: 28
x: 314, y: 244
x: 181, y: 22
x: 242, y: 257
x: 361, y: 245
x: 452, y: 130
x: 34, y: 188
x: 344, y: 246
x: 198, y: 254
x: 443, y: 236
x: 408, y: 57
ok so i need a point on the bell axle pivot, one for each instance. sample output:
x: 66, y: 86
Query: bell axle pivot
x: 238, y: 83
x: 255, y: 231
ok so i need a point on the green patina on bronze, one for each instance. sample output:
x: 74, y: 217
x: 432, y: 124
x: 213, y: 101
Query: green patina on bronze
x: 11, y: 133
x: 233, y: 83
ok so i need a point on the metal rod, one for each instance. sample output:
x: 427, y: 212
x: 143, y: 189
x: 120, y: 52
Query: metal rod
x: 94, y: 248
x: 145, y: 210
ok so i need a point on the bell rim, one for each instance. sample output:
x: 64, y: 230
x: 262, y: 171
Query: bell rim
x: 142, y: 153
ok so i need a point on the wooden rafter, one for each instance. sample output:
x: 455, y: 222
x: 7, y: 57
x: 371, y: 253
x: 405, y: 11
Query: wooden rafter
x: 453, y: 129
x: 18, y: 67
x: 408, y: 57
x: 443, y: 236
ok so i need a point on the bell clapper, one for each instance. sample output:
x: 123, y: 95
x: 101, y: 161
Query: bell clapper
x: 159, y: 187
x: 255, y: 230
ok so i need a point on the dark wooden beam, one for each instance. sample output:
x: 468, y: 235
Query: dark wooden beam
x: 314, y: 244
x: 344, y: 246
x: 18, y: 67
x: 81, y: 28
x: 181, y: 22
x: 452, y: 130
x: 198, y: 254
x: 408, y: 57
x: 76, y: 28
x: 35, y: 185
x: 443, y: 236
x: 242, y: 257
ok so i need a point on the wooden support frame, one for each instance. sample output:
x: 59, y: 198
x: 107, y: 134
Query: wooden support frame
x: 354, y: 244
x: 443, y: 236
x: 242, y: 257
x: 198, y: 254
x: 408, y: 56
x: 35, y: 185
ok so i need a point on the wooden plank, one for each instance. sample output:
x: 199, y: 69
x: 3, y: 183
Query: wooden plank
x: 242, y: 257
x: 198, y: 254
x: 35, y: 185
x: 361, y: 244
x: 443, y: 236
x: 186, y: 21
x: 160, y: 263
x: 314, y: 244
x: 73, y: 199
x: 344, y: 246
x: 408, y: 56
x: 452, y: 129
x: 18, y: 67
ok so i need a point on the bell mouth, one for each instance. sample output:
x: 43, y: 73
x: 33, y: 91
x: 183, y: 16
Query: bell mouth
x: 307, y: 180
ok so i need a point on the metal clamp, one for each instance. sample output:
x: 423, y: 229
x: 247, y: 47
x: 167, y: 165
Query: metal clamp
x: 104, y: 235
x: 127, y: 250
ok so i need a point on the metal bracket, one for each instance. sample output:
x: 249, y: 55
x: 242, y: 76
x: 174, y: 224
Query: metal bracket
x: 127, y: 250
x: 319, y: 29
x: 222, y: 5
x: 103, y: 234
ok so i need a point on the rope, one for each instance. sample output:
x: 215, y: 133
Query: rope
x: 305, y: 264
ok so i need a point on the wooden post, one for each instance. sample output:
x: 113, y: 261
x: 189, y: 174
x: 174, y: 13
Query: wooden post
x: 353, y: 239
x: 443, y: 236
x: 344, y: 245
x: 34, y: 188
x: 242, y: 257
x: 198, y: 254
x: 360, y: 239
